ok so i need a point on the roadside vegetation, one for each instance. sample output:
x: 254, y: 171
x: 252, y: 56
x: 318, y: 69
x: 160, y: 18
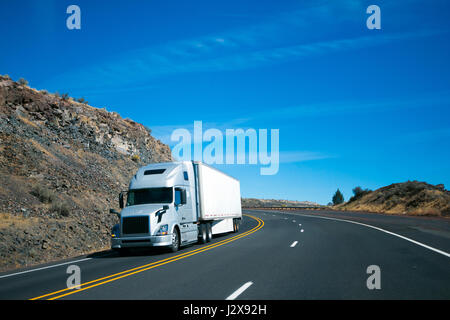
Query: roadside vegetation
x: 338, y: 197
x: 410, y: 197
x: 47, y: 196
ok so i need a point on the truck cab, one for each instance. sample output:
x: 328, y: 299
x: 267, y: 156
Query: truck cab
x: 158, y: 209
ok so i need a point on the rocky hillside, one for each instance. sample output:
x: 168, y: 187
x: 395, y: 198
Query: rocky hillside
x: 411, y: 197
x: 264, y: 203
x: 62, y: 165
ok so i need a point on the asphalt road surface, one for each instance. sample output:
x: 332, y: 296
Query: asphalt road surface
x: 276, y: 255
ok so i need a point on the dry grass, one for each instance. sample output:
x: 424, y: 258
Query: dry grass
x: 71, y: 154
x: 8, y: 220
x: 426, y: 212
x: 397, y: 209
x: 28, y: 122
x: 39, y: 147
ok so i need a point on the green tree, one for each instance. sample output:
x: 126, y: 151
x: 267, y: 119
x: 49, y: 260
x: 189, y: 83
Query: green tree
x: 338, y: 197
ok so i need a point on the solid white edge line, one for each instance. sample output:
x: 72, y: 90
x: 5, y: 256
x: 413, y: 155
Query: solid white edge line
x: 42, y: 268
x: 385, y: 231
x: 294, y: 244
x: 235, y: 294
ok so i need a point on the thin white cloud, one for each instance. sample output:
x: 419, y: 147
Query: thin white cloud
x: 280, y: 38
x: 438, y: 99
x: 148, y: 65
x: 302, y: 156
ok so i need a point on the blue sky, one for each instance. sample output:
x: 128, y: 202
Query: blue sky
x: 353, y: 106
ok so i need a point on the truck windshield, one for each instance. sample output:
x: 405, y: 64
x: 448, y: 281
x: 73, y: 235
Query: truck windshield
x: 150, y: 195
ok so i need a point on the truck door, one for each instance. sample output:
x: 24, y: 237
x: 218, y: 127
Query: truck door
x: 183, y: 207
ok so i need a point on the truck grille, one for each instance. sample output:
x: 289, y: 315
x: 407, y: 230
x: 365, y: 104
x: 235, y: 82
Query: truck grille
x: 132, y: 225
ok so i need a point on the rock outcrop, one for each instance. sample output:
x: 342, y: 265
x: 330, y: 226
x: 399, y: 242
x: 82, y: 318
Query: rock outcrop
x: 62, y: 165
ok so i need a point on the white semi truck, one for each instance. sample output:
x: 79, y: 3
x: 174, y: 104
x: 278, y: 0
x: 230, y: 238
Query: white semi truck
x: 174, y: 204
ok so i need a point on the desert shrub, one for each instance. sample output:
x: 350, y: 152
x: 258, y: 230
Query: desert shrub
x: 338, y: 197
x: 65, y: 96
x: 135, y: 158
x: 43, y: 194
x: 82, y: 100
x: 358, y: 193
x: 22, y: 82
x: 45, y: 92
x: 61, y: 208
x: 7, y: 77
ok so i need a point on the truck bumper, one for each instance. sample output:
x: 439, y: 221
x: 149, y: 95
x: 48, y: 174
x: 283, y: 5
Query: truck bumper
x: 135, y: 242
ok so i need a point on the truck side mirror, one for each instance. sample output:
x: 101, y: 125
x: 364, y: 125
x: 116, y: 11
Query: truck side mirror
x: 121, y: 200
x: 183, y: 196
x: 165, y: 207
x: 113, y: 211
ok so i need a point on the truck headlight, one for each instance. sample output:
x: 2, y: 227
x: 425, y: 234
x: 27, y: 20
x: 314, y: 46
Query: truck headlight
x: 163, y: 230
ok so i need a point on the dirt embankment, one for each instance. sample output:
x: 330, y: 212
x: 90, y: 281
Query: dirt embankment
x: 62, y: 165
x: 411, y: 197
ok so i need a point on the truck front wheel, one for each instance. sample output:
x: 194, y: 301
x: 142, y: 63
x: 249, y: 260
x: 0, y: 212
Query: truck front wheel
x: 175, y: 241
x: 202, y: 237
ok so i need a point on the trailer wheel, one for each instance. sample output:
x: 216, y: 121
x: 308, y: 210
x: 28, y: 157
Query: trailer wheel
x: 238, y: 223
x: 203, y: 238
x: 208, y: 232
x: 235, y: 226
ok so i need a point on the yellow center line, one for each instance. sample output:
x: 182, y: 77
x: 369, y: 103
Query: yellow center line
x: 156, y: 262
x: 152, y: 265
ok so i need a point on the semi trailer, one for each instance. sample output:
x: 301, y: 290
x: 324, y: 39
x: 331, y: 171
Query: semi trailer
x: 173, y: 204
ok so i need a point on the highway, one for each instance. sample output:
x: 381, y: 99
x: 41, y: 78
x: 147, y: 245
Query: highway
x: 303, y: 254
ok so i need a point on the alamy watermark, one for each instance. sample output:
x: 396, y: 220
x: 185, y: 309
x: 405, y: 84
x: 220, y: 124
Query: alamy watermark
x: 374, y: 20
x: 374, y: 280
x: 74, y: 280
x: 74, y: 20
x: 239, y: 146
